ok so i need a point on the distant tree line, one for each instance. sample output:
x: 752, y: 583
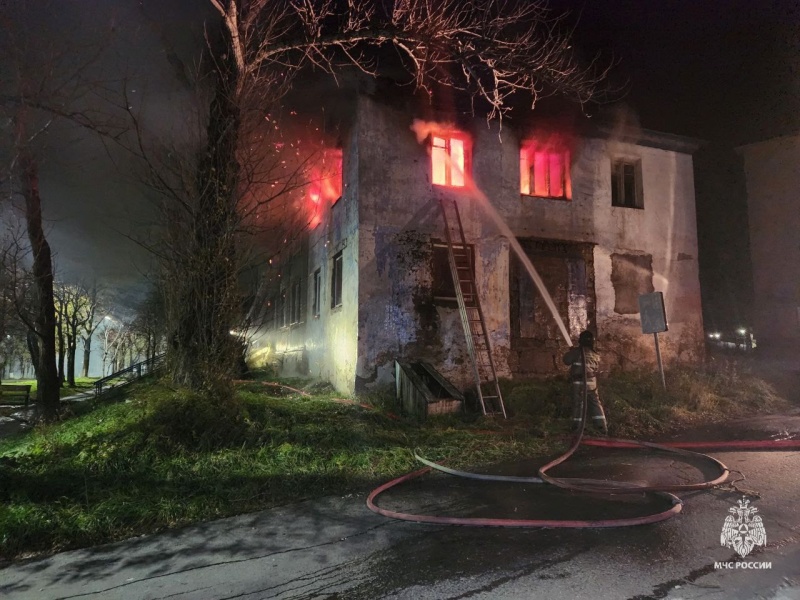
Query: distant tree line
x: 488, y: 50
x: 83, y: 316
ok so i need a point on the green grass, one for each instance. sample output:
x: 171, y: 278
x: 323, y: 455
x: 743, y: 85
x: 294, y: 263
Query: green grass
x: 82, y: 384
x: 166, y: 458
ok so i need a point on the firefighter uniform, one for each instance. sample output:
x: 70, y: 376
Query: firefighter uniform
x: 594, y: 410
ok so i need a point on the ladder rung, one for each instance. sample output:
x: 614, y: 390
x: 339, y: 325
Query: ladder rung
x: 478, y: 345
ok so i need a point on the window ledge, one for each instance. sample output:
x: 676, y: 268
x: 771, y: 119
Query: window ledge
x: 558, y: 198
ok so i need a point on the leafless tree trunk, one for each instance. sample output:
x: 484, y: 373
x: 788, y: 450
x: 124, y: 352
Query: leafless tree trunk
x: 60, y: 298
x: 490, y: 50
x: 203, y: 302
x: 75, y: 306
x: 149, y: 324
x: 41, y: 82
x: 88, y: 325
x: 42, y: 270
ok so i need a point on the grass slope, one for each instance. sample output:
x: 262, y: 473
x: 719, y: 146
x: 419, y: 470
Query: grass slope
x: 164, y: 458
x: 82, y: 384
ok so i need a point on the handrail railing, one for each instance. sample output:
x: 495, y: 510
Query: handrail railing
x: 138, y: 370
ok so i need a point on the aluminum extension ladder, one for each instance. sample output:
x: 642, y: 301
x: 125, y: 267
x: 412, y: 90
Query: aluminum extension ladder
x: 480, y: 351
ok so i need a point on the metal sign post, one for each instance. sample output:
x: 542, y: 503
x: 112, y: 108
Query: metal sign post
x: 654, y: 320
x: 660, y: 364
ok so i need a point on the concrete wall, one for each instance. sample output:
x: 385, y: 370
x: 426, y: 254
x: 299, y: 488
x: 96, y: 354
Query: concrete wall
x: 389, y: 215
x: 773, y: 197
x: 323, y: 346
x: 399, y: 214
x: 665, y: 230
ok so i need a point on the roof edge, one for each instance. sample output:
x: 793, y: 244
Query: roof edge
x: 650, y: 138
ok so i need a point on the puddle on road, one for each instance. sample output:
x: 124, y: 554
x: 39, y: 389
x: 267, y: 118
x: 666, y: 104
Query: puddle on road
x: 446, y: 495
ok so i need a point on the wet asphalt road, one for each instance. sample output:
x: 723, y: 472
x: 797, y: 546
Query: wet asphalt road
x: 335, y: 548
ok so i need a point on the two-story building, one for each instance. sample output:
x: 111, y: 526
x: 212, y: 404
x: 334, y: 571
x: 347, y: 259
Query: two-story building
x: 603, y: 215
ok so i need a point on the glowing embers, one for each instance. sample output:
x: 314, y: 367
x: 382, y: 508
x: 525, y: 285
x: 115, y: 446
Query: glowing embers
x: 544, y: 171
x: 449, y: 159
x: 325, y: 186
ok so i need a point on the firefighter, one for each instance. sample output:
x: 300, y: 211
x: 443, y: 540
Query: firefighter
x: 573, y: 358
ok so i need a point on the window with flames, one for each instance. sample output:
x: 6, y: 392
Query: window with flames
x: 326, y: 185
x: 545, y: 171
x: 450, y: 159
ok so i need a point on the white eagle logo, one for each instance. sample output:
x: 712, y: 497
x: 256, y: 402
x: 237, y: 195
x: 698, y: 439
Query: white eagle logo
x: 743, y: 529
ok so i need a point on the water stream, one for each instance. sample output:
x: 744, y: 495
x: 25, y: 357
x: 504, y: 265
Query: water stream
x: 505, y: 230
x: 423, y: 131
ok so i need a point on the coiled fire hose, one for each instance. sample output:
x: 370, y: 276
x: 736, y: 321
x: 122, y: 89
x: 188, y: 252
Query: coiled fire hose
x: 595, y: 486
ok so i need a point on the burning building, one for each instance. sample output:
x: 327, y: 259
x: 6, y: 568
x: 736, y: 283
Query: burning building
x: 604, y: 216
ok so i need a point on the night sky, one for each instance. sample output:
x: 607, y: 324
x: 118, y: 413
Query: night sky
x: 726, y: 71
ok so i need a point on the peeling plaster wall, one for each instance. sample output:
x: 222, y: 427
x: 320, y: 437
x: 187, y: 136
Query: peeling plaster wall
x: 397, y: 218
x: 773, y: 182
x: 389, y: 215
x: 665, y: 230
x: 399, y: 214
x: 323, y: 346
x: 283, y: 347
x: 331, y: 338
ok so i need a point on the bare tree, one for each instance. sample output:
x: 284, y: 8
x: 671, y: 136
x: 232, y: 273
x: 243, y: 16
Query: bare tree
x: 76, y: 304
x: 42, y: 82
x: 88, y: 323
x: 149, y: 325
x: 61, y: 301
x: 491, y: 50
x: 112, y: 334
x: 6, y: 306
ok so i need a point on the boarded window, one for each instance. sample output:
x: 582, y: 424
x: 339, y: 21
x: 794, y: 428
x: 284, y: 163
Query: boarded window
x: 443, y: 288
x: 526, y: 298
x: 631, y: 275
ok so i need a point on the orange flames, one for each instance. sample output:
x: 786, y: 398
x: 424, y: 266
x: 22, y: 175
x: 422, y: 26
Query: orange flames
x: 544, y: 169
x: 449, y: 150
x: 325, y: 186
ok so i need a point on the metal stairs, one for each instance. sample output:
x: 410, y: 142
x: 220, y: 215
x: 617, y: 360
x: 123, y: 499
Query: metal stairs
x: 478, y: 346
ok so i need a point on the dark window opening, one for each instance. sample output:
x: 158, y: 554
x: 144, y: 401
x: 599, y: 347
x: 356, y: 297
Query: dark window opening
x: 336, y: 280
x: 317, y: 302
x: 626, y: 184
x: 271, y: 313
x: 282, y: 309
x: 443, y: 288
x: 295, y: 312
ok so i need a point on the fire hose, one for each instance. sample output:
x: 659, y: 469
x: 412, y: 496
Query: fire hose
x: 584, y: 485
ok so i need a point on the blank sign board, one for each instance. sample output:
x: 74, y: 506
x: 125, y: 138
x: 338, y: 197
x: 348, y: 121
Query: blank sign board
x: 653, y: 313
